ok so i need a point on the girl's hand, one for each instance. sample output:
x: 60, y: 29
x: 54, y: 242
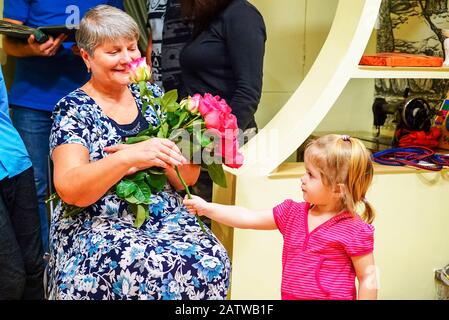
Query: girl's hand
x: 154, y: 152
x: 196, y: 205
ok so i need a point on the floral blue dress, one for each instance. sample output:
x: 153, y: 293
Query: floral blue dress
x: 100, y: 255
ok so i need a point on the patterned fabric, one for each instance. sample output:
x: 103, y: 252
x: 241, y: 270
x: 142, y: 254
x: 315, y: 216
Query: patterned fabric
x: 100, y: 255
x: 317, y: 264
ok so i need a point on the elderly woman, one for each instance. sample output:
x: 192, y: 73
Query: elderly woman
x: 98, y: 254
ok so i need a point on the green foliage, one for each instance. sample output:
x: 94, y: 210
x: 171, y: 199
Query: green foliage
x: 136, y: 189
x: 217, y: 175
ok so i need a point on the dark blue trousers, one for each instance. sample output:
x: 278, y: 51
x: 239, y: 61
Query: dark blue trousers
x: 21, y: 262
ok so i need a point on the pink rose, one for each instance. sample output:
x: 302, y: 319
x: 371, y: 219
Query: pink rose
x: 226, y: 147
x: 191, y: 104
x: 206, y: 104
x: 213, y: 119
x: 229, y: 151
x: 139, y: 70
x: 210, y: 102
x: 229, y: 122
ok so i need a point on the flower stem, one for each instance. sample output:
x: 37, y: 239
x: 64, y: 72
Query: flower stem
x: 190, y: 197
x: 192, y: 121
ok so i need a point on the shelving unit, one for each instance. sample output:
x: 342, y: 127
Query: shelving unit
x: 401, y: 72
x: 411, y: 239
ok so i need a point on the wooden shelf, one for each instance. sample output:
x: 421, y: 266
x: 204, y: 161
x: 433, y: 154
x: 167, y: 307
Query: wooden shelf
x: 297, y: 169
x: 402, y: 72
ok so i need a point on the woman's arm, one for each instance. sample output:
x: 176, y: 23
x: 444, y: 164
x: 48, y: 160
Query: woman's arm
x: 233, y: 216
x: 82, y: 183
x: 245, y: 41
x: 189, y: 172
x: 366, y: 272
x: 30, y: 48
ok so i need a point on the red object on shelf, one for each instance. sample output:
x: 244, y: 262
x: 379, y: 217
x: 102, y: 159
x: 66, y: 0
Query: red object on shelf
x: 397, y: 59
x: 429, y: 139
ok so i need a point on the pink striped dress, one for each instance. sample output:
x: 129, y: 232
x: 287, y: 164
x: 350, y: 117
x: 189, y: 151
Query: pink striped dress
x: 317, y: 264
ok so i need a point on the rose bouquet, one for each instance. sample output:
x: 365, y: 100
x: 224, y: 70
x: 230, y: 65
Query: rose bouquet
x: 204, y: 129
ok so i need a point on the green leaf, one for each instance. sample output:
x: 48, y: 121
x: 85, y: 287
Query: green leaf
x: 163, y: 132
x: 183, y: 116
x: 157, y: 181
x: 141, y: 216
x: 131, y: 199
x: 143, y: 192
x: 173, y: 107
x: 156, y: 101
x: 132, y: 140
x: 206, y: 140
x: 170, y: 97
x: 144, y: 107
x: 172, y: 118
x: 217, y: 175
x: 139, y: 176
x: 125, y: 188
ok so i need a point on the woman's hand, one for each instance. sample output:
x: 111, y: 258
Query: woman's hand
x: 154, y: 152
x: 196, y: 205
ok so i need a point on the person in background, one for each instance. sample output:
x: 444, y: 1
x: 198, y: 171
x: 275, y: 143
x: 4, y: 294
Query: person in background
x: 21, y: 253
x: 137, y: 9
x: 44, y: 73
x: 169, y: 32
x: 99, y: 254
x: 225, y: 58
x: 326, y: 243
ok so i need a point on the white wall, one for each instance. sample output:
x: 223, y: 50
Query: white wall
x: 296, y: 31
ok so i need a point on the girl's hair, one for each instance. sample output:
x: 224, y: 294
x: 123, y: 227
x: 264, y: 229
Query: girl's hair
x: 102, y: 24
x: 345, y: 161
x: 202, y: 12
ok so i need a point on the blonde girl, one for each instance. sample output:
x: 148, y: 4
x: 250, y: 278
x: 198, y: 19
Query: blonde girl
x: 327, y: 244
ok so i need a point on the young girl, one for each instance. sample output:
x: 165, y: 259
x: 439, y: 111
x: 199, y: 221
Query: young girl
x: 326, y: 243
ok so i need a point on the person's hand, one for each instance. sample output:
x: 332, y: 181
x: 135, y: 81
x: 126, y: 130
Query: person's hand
x: 154, y: 152
x: 196, y: 205
x: 48, y: 48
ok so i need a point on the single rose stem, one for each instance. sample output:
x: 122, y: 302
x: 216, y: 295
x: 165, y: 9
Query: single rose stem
x: 190, y: 197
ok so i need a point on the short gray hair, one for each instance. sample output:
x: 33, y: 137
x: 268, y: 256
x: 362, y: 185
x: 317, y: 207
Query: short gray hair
x: 102, y: 24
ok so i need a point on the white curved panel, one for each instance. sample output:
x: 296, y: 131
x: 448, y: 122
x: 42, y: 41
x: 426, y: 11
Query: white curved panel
x: 335, y: 65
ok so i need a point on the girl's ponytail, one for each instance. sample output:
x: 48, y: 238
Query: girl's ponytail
x: 368, y: 213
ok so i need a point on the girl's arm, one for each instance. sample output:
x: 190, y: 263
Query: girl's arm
x: 367, y: 276
x: 233, y: 216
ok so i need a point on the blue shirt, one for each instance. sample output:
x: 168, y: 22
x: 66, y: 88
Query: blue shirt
x: 14, y: 158
x: 39, y: 82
